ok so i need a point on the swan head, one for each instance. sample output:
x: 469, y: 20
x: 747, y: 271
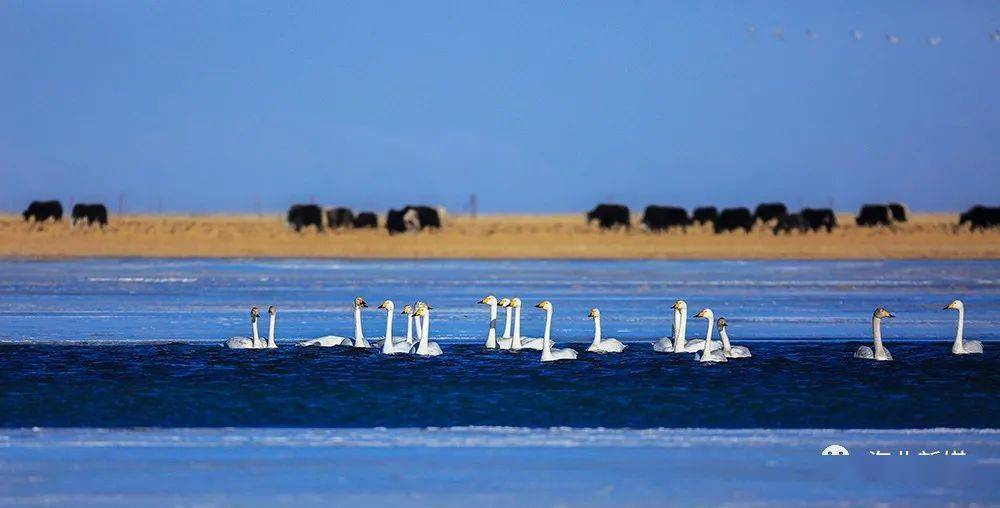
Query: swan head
x: 515, y: 302
x: 680, y: 305
x: 407, y: 310
x: 387, y: 305
x: 721, y: 323
x: 421, y: 305
x: 360, y: 303
x: 544, y: 305
x: 705, y: 313
x: 955, y: 305
x: 254, y: 314
x: 489, y: 300
x: 881, y: 313
x: 420, y: 312
x: 594, y: 313
x: 271, y: 310
x: 504, y: 302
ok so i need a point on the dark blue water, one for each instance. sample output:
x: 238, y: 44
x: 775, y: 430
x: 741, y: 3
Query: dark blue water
x: 135, y: 343
x: 785, y: 385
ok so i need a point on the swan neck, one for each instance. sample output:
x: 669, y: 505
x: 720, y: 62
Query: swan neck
x: 959, y: 346
x: 256, y: 337
x: 516, y: 341
x: 409, y: 328
x: 548, y: 327
x: 725, y: 339
x: 388, y: 326
x: 597, y: 331
x: 423, y: 336
x: 680, y: 320
x: 358, y: 334
x: 270, y: 332
x: 877, y: 332
x: 708, y: 338
x: 491, y: 337
x: 506, y: 324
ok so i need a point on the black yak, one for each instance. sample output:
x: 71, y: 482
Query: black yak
x: 609, y: 216
x: 366, y: 220
x: 660, y: 218
x: 300, y: 216
x: 874, y: 215
x: 91, y: 213
x: 42, y: 211
x: 817, y: 218
x: 705, y: 214
x: 766, y: 212
x: 732, y: 219
x: 980, y: 217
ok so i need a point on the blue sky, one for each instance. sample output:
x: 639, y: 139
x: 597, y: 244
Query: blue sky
x: 533, y: 106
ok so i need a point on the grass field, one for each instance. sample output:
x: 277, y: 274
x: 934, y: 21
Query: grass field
x: 486, y: 237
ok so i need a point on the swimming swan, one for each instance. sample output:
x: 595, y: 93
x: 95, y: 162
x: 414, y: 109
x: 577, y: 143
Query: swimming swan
x: 728, y: 350
x: 708, y: 353
x: 602, y: 345
x: 389, y: 345
x: 423, y: 347
x: 336, y: 340
x: 962, y: 346
x: 246, y: 342
x: 880, y: 353
x: 491, y: 335
x: 270, y: 329
x: 549, y: 353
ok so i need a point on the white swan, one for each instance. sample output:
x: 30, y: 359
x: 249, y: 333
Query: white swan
x: 491, y: 335
x: 962, y: 346
x: 246, y: 342
x: 336, y: 340
x: 389, y: 345
x: 879, y: 353
x: 549, y: 353
x: 423, y: 347
x: 708, y: 353
x: 727, y: 349
x: 409, y: 323
x: 602, y: 345
x: 681, y: 344
x: 270, y: 329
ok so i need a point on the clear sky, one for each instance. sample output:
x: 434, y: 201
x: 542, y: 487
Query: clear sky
x: 534, y: 106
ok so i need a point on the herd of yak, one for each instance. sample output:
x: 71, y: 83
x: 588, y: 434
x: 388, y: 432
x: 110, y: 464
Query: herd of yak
x: 774, y: 215
x: 655, y: 218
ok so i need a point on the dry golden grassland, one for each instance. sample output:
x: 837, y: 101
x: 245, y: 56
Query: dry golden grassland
x: 486, y: 237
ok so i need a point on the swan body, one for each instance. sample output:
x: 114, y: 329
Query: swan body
x: 252, y: 342
x: 390, y: 346
x: 549, y: 353
x: 423, y: 347
x: 602, y: 345
x: 878, y: 352
x: 491, y: 334
x: 337, y: 340
x: 729, y: 350
x: 708, y: 353
x: 962, y: 346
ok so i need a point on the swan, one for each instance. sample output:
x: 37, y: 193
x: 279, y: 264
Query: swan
x: 730, y: 351
x: 409, y: 323
x: 336, y: 340
x: 680, y: 344
x: 246, y: 342
x: 517, y: 342
x: 879, y: 353
x: 491, y: 335
x: 708, y: 353
x: 423, y: 347
x: 602, y: 345
x: 549, y: 353
x: 389, y: 345
x: 962, y: 346
x: 270, y: 329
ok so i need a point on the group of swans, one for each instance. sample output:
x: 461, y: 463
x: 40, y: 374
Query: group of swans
x: 254, y: 341
x: 878, y: 351
x: 705, y: 350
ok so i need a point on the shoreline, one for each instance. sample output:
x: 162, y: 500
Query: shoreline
x: 488, y: 237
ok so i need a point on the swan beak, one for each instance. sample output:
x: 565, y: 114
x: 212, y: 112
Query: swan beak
x: 430, y: 308
x: 483, y: 301
x: 674, y: 306
x: 892, y: 315
x: 592, y: 314
x: 364, y: 304
x: 382, y: 306
x: 947, y: 307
